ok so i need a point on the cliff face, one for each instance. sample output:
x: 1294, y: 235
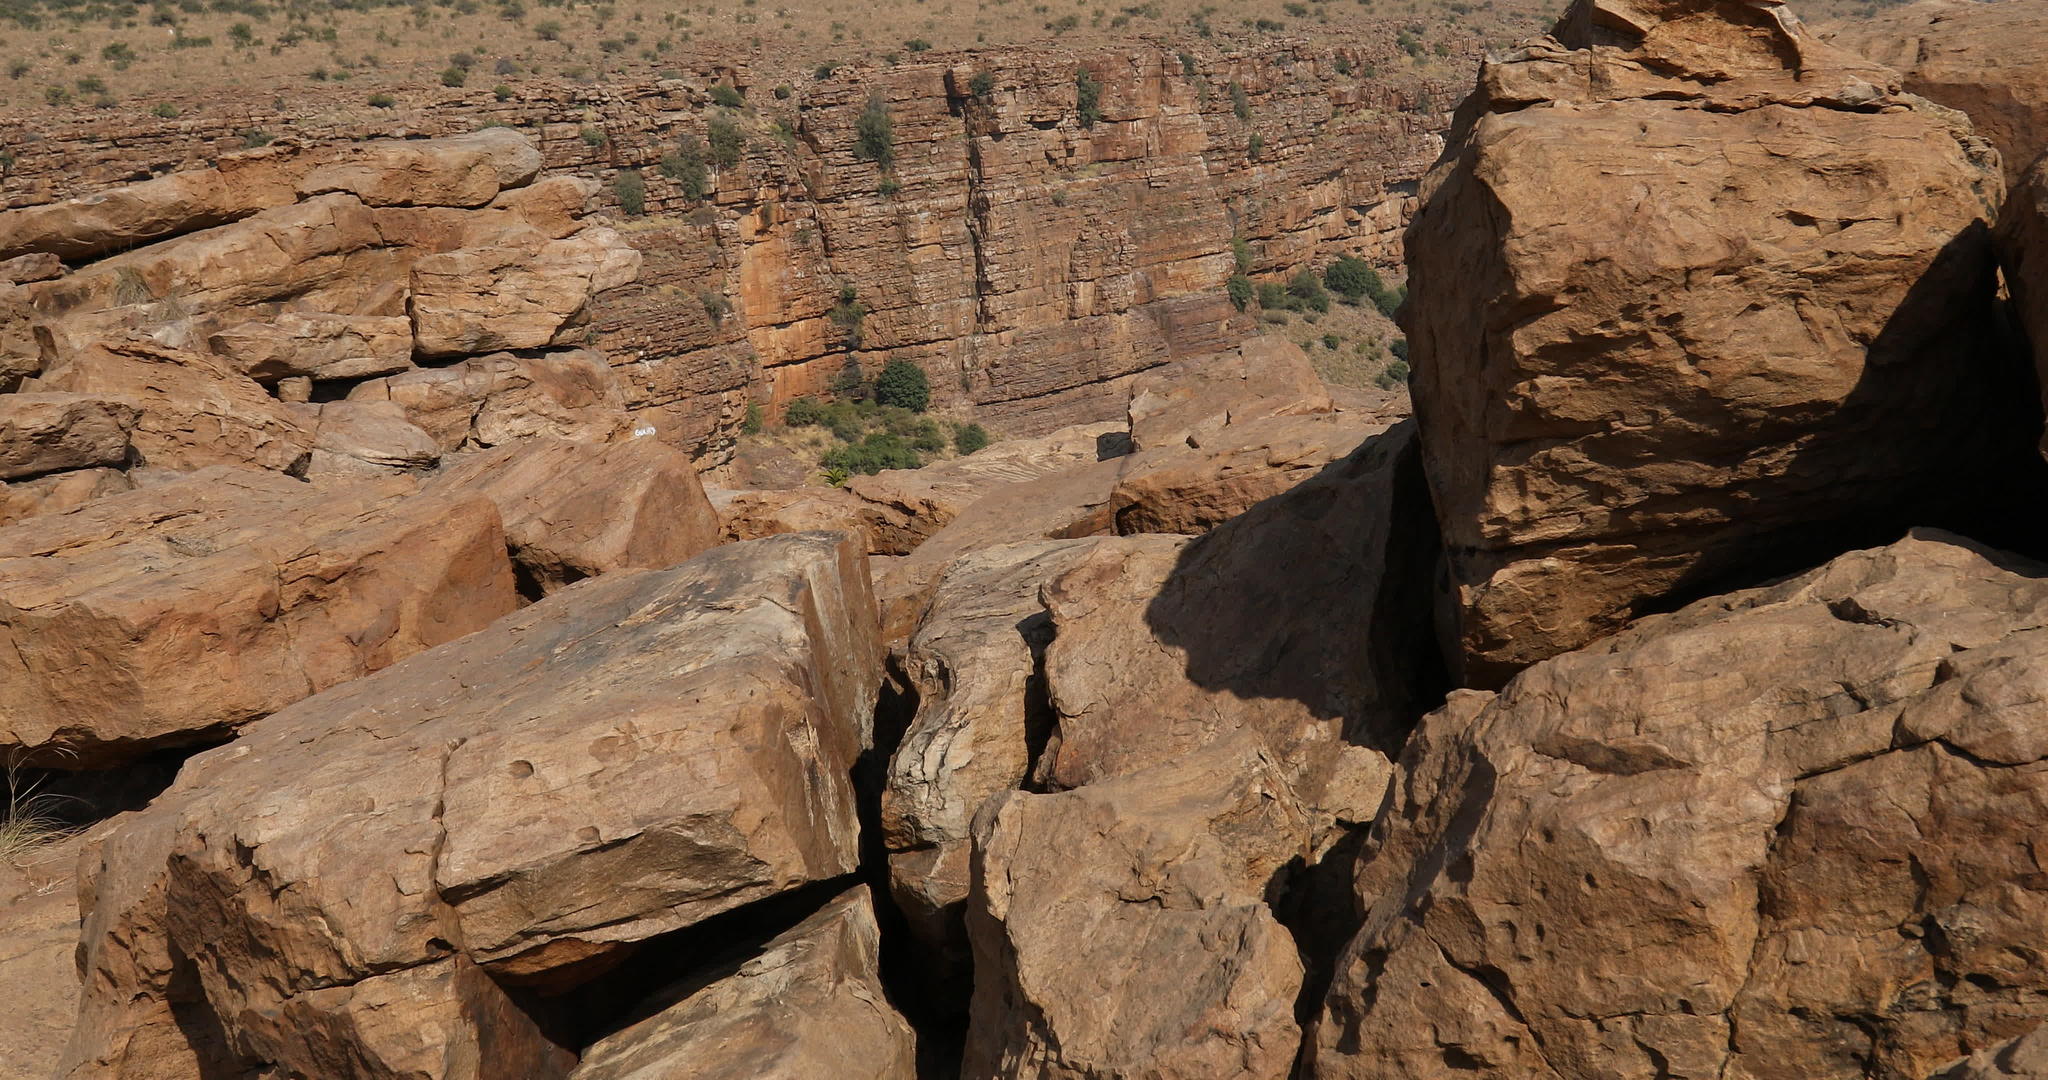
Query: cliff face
x: 1029, y: 261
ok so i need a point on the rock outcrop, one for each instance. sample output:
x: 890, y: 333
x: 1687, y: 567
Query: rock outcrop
x: 348, y: 887
x: 2023, y: 252
x: 1781, y: 833
x: 1692, y: 295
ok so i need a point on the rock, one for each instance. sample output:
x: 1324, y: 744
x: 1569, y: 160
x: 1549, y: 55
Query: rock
x: 173, y: 614
x: 38, y: 931
x: 34, y: 266
x: 1228, y: 469
x: 1121, y: 929
x: 356, y: 439
x: 317, y: 345
x: 575, y: 510
x: 58, y: 492
x: 1688, y: 849
x: 810, y: 1005
x: 459, y: 170
x: 519, y: 295
x: 628, y: 757
x: 750, y: 515
x: 81, y: 228
x: 2025, y: 1057
x: 489, y: 400
x: 43, y: 433
x: 1988, y: 60
x: 1661, y: 343
x: 976, y: 663
x: 2023, y: 251
x: 192, y: 409
x: 1266, y: 376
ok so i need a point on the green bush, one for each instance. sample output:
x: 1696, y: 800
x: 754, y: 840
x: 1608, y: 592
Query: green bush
x: 1331, y: 341
x: 879, y: 450
x: 850, y: 381
x: 928, y: 438
x: 501, y: 92
x: 1353, y: 279
x: 1239, y: 103
x: 823, y: 72
x: 1390, y: 300
x: 454, y: 76
x: 726, y: 141
x: 255, y: 137
x: 1399, y: 347
x: 1241, y: 250
x: 383, y: 101
x: 727, y: 96
x: 889, y: 186
x: 1273, y: 296
x: 904, y: 385
x: 847, y: 315
x: 754, y: 421
x: 164, y: 110
x: 983, y: 85
x: 1255, y: 147
x: 548, y: 31
x: 685, y: 165
x: 969, y: 438
x: 631, y: 189
x: 716, y: 306
x: 1394, y: 375
x: 594, y: 137
x: 1087, y: 98
x: 1343, y: 64
x: 917, y: 45
x: 1306, y: 290
x: 875, y: 133
x: 1187, y: 65
x: 1240, y: 290
x: 803, y: 412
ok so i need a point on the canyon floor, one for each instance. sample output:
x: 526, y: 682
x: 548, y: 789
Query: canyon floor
x: 952, y: 543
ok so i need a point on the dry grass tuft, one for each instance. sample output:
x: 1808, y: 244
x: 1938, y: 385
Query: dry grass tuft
x: 30, y: 819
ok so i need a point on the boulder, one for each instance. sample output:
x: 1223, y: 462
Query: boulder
x: 38, y: 932
x: 317, y: 346
x: 1695, y: 299
x: 519, y: 294
x: 191, y: 409
x: 1782, y: 833
x: 44, y: 433
x: 34, y: 266
x: 456, y: 170
x: 356, y: 439
x: 175, y: 613
x: 347, y: 887
x: 489, y: 400
x: 1266, y: 376
x: 2022, y: 1058
x: 1121, y: 929
x: 58, y: 492
x: 752, y: 514
x: 574, y: 510
x: 240, y: 185
x: 809, y: 1005
x: 1226, y: 470
x: 1988, y: 60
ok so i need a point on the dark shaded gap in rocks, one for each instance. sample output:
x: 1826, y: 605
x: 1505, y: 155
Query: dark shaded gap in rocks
x: 636, y: 982
x: 77, y: 798
x: 1318, y: 905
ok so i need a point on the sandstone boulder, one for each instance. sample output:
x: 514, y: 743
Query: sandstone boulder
x: 43, y: 433
x: 1121, y: 929
x: 1782, y: 833
x: 356, y: 439
x: 809, y: 1006
x: 317, y: 346
x: 1692, y: 295
x: 58, y: 492
x: 1266, y: 376
x: 240, y: 185
x: 348, y: 886
x: 520, y: 294
x: 2023, y: 1058
x: 575, y: 510
x: 175, y: 613
x: 1988, y: 60
x: 38, y: 931
x: 752, y: 514
x: 1226, y: 470
x: 34, y: 266
x: 457, y: 170
x: 489, y: 400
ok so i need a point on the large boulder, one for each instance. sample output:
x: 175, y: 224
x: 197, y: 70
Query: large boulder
x: 518, y: 294
x: 348, y: 888
x: 317, y: 346
x: 1226, y: 470
x: 457, y: 170
x: 810, y: 1005
x: 175, y: 613
x: 574, y: 510
x: 1989, y: 60
x: 1266, y: 376
x: 485, y: 401
x: 1786, y: 833
x: 44, y: 433
x: 1694, y: 299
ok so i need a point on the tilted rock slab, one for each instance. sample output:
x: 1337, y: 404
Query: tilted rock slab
x: 575, y: 510
x: 622, y: 759
x: 488, y: 400
x: 174, y: 613
x: 1784, y: 834
x: 809, y: 1007
x: 1693, y: 296
x: 44, y: 433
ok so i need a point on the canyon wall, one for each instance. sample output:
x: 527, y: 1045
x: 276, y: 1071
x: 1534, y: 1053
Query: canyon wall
x: 1029, y: 259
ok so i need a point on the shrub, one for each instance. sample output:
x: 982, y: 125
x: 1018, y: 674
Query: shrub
x: 927, y: 438
x: 969, y: 438
x: 382, y: 101
x: 1273, y: 296
x: 918, y: 45
x: 631, y: 189
x: 880, y: 450
x: 92, y: 84
x: 754, y: 422
x: 454, y: 76
x: 1399, y: 347
x: 594, y: 137
x: 164, y: 110
x: 1306, y: 290
x: 1255, y: 147
x: 803, y: 412
x: 1239, y: 103
x: 875, y: 133
x: 784, y: 91
x: 1331, y: 341
x: 501, y: 92
x: 18, y: 69
x: 823, y: 72
x: 255, y: 137
x: 1187, y: 65
x: 1087, y: 98
x: 119, y: 55
x: 1394, y: 375
x: 726, y: 141
x: 716, y: 306
x: 837, y: 477
x: 888, y: 186
x: 1240, y: 290
x: 727, y: 96
x: 1353, y: 279
x: 983, y: 85
x: 548, y: 31
x: 849, y: 382
x: 1241, y: 250
x: 685, y: 165
x: 904, y: 385
x: 1343, y: 65
x: 1390, y: 300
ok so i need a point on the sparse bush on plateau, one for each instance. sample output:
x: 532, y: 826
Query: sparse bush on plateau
x: 502, y: 92
x: 803, y: 412
x: 382, y: 101
x: 685, y: 165
x: 983, y: 85
x: 454, y: 76
x: 727, y: 96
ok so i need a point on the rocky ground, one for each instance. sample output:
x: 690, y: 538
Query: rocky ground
x: 411, y: 672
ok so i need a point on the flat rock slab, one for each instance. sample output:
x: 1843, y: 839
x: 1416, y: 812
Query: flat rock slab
x: 174, y: 613
x: 49, y: 432
x: 625, y: 758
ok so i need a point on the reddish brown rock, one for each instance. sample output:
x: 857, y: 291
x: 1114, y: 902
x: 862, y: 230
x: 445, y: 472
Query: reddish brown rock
x: 1989, y: 60
x: 240, y: 185
x: 1228, y: 469
x: 2023, y: 1058
x: 58, y: 492
x: 459, y: 170
x: 317, y: 346
x: 42, y: 433
x: 1690, y: 848
x: 357, y: 439
x: 628, y: 757
x: 38, y: 932
x: 1692, y: 296
x: 175, y: 613
x: 520, y: 294
x: 488, y: 400
x: 810, y: 1005
x: 1266, y: 376
x: 34, y: 266
x: 575, y: 510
